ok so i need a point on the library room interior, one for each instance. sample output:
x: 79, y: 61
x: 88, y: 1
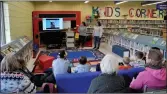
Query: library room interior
x: 83, y: 46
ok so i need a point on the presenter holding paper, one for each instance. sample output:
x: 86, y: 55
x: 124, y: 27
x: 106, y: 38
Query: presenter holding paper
x: 97, y: 33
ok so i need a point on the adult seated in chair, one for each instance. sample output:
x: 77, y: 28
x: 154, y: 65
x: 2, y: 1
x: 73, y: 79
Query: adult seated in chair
x: 108, y: 81
x: 59, y: 66
x: 154, y: 75
x: 12, y: 79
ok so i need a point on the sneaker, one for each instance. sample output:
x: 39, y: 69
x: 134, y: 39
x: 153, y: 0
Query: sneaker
x: 94, y: 48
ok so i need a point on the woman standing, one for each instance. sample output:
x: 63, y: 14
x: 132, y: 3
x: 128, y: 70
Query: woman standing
x: 97, y: 33
x: 82, y: 34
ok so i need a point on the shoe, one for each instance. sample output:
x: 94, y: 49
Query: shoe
x: 94, y: 48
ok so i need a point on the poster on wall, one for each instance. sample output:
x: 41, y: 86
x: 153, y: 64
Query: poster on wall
x: 66, y: 24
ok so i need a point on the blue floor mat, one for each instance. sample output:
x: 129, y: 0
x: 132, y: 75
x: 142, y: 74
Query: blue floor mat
x: 76, y: 54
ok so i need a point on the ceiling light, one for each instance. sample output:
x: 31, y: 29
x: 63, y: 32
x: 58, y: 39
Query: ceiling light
x: 154, y: 3
x: 86, y: 2
x: 50, y: 0
x: 121, y: 2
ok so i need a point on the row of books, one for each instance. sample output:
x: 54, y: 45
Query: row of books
x: 122, y: 21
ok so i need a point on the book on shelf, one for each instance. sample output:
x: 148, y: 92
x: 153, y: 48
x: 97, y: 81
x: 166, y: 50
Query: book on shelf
x: 6, y: 51
x: 10, y: 49
x: 15, y: 47
x: 22, y: 42
x: 25, y: 40
x: 154, y: 40
x: 163, y: 43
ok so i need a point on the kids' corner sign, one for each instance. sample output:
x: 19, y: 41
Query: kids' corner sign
x: 131, y: 12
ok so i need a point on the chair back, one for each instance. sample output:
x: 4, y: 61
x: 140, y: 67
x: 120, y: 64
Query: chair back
x: 153, y: 89
x: 75, y: 83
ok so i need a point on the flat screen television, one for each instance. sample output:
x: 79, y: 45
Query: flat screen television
x: 52, y: 23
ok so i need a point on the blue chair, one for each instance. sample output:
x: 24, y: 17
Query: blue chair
x: 131, y: 72
x: 75, y: 83
x: 119, y: 50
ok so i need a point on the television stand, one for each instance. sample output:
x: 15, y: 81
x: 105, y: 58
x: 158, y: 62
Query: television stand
x: 53, y: 46
x: 53, y: 40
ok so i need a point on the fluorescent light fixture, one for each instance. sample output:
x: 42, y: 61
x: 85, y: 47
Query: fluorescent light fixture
x: 154, y: 3
x: 50, y: 0
x: 86, y: 1
x: 121, y: 2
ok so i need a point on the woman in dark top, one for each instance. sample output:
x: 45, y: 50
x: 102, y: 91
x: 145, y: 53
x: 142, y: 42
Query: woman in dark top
x: 108, y: 81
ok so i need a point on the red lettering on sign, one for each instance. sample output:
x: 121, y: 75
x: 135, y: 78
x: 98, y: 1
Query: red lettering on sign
x: 108, y: 11
x: 130, y: 12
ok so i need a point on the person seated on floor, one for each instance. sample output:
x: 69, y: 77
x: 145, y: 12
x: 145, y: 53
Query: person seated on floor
x: 82, y: 66
x: 154, y: 76
x: 61, y: 65
x: 108, y: 81
x: 126, y: 64
x: 138, y: 62
x: 12, y: 79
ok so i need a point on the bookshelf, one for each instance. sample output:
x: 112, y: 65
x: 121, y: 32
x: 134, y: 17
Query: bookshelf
x: 155, y: 28
x: 21, y: 48
x: 135, y: 35
x: 137, y: 42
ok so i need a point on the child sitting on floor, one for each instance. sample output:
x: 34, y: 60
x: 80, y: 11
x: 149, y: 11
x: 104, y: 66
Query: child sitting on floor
x: 139, y: 62
x: 125, y: 65
x: 82, y: 66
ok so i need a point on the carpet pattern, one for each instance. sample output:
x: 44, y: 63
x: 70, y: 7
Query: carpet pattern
x: 75, y: 54
x: 93, y: 56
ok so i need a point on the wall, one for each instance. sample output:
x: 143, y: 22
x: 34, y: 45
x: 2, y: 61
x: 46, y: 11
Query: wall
x: 20, y: 16
x: 86, y: 9
x: 20, y: 13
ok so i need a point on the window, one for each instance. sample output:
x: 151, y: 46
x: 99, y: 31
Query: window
x: 2, y: 26
x: 7, y: 22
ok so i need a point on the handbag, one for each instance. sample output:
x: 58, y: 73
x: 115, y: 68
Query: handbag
x: 36, y: 79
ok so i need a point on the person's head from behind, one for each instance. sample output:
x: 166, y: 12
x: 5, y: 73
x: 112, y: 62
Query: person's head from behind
x: 154, y: 58
x: 139, y: 55
x: 109, y: 64
x: 10, y: 64
x: 83, y: 24
x: 98, y: 23
x: 63, y: 54
x: 155, y: 48
x: 52, y: 23
x: 22, y: 63
x: 83, y: 60
x: 126, y: 60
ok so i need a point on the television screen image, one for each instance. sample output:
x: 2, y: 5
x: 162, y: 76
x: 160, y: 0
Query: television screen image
x: 52, y: 23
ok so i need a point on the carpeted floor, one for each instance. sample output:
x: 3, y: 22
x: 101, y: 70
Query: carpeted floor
x: 93, y: 56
